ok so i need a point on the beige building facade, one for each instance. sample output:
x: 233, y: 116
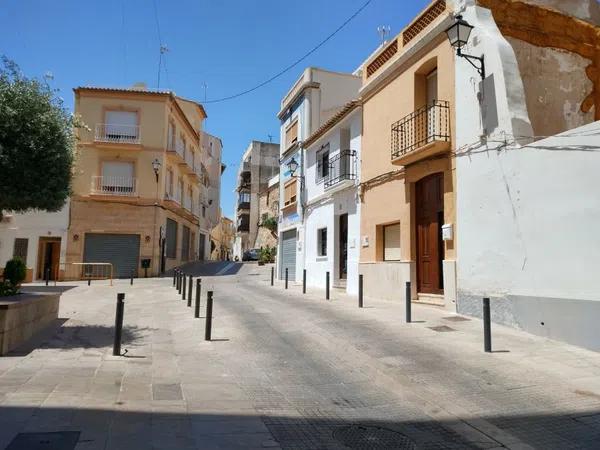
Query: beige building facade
x: 139, y: 182
x: 268, y: 212
x: 407, y: 179
x: 222, y: 237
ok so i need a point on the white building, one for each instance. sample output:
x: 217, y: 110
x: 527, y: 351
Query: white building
x: 210, y: 192
x: 332, y: 211
x: 528, y: 206
x: 315, y: 97
x: 38, y: 238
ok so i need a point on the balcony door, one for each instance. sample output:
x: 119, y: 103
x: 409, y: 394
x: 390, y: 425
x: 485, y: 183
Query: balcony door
x: 117, y: 178
x: 429, y: 213
x: 121, y: 125
x: 431, y: 97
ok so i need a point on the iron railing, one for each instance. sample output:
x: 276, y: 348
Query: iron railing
x: 423, y: 126
x: 117, y: 133
x: 121, y: 186
x: 341, y: 167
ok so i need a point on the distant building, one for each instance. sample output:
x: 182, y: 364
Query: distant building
x: 258, y: 165
x: 222, y: 236
x: 268, y: 212
x: 210, y: 200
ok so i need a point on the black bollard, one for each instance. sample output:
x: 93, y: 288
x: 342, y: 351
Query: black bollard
x: 286, y: 277
x: 190, y: 287
x: 272, y: 275
x: 360, y: 290
x: 304, y: 281
x: 179, y: 275
x: 174, y: 277
x: 89, y: 281
x: 327, y: 285
x: 209, y: 304
x: 197, y: 306
x: 408, y: 303
x: 487, y: 329
x: 183, y: 281
x: 47, y: 275
x: 131, y: 281
x: 119, y: 324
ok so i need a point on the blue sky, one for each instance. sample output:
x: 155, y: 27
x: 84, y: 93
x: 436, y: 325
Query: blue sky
x: 230, y: 45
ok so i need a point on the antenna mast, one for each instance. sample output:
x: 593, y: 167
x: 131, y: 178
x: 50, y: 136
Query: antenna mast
x: 384, y: 32
x: 163, y: 49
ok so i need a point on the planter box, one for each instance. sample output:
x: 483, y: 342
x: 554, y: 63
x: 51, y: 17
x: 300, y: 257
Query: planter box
x: 23, y: 315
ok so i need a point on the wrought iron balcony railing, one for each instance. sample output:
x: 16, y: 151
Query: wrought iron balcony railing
x: 117, y: 133
x: 341, y: 167
x: 121, y: 186
x: 425, y: 125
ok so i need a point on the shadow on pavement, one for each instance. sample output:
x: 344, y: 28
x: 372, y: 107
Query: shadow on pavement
x: 47, y: 289
x: 130, y: 429
x: 57, y: 336
x: 209, y: 268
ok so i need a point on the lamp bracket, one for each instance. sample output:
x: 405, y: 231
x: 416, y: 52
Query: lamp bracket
x: 473, y: 60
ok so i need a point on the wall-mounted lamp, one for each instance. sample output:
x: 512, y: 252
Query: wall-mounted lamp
x: 458, y: 35
x: 156, y: 167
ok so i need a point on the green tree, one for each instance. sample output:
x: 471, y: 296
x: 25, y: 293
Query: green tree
x: 36, y: 144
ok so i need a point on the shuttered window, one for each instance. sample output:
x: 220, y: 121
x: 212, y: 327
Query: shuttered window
x: 121, y: 124
x: 289, y: 193
x: 20, y: 249
x: 291, y: 134
x: 171, y: 239
x: 322, y: 242
x: 391, y: 242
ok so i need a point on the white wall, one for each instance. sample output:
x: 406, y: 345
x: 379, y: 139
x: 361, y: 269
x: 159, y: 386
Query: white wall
x: 32, y: 226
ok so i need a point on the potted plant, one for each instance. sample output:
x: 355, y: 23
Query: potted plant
x: 14, y: 274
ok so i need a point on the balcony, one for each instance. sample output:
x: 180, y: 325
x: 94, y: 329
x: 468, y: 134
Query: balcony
x: 117, y: 134
x: 117, y: 186
x: 342, y: 168
x: 176, y: 149
x: 243, y: 205
x: 421, y: 134
x: 174, y: 197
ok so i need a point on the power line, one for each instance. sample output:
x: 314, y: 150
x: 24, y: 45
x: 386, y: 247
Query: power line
x: 295, y: 63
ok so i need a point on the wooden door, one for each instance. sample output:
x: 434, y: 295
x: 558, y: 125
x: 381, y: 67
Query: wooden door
x: 343, y: 245
x: 429, y: 219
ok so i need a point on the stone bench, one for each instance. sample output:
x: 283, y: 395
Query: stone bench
x: 23, y: 315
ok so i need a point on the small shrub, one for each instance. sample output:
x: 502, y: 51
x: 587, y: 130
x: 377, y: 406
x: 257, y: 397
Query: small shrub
x: 15, y: 271
x: 7, y: 289
x: 270, y: 223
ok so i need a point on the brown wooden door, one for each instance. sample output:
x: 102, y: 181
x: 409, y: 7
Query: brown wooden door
x: 429, y: 220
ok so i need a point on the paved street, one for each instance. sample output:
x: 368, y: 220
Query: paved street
x: 292, y: 371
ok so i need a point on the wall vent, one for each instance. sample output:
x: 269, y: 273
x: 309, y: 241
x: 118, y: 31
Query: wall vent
x: 382, y: 58
x: 423, y: 21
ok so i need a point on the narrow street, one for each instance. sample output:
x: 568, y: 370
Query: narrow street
x: 292, y: 371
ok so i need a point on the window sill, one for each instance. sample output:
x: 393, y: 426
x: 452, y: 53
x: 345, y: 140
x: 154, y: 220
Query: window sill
x: 321, y: 258
x: 289, y: 207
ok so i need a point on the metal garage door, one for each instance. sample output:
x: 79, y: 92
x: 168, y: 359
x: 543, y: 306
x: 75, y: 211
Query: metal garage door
x: 121, y: 250
x: 288, y: 254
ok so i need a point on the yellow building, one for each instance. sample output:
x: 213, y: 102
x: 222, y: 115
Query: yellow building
x: 222, y: 236
x: 139, y: 180
x: 408, y: 193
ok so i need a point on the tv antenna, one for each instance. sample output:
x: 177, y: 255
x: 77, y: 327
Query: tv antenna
x: 384, y: 32
x: 270, y: 136
x: 205, y: 86
x: 163, y: 49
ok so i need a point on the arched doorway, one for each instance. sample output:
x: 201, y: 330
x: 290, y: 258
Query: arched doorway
x: 429, y: 215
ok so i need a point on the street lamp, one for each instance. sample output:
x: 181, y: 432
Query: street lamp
x: 292, y: 166
x: 156, y: 167
x: 458, y: 35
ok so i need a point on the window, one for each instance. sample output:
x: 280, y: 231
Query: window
x: 291, y: 134
x: 171, y: 239
x: 289, y: 193
x: 322, y: 242
x: 172, y: 133
x: 117, y: 177
x: 20, y: 249
x: 170, y: 182
x: 323, y: 163
x: 121, y: 125
x: 180, y: 191
x: 203, y: 211
x: 391, y: 242
x: 185, y: 244
x: 244, y: 197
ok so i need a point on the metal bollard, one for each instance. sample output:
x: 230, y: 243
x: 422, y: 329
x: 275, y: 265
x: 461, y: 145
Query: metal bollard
x: 209, y: 305
x: 408, y: 303
x: 89, y: 281
x: 360, y: 290
x: 47, y: 275
x: 174, y: 277
x: 304, y: 281
x: 286, y: 277
x: 183, y: 281
x: 327, y: 285
x: 119, y: 324
x: 197, y: 306
x: 272, y: 275
x: 487, y: 329
x: 190, y: 287
x: 131, y: 281
x: 179, y: 275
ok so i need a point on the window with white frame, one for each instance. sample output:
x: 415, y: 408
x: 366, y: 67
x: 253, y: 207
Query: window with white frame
x: 121, y: 125
x: 322, y: 242
x: 118, y: 176
x: 322, y: 163
x: 391, y: 242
